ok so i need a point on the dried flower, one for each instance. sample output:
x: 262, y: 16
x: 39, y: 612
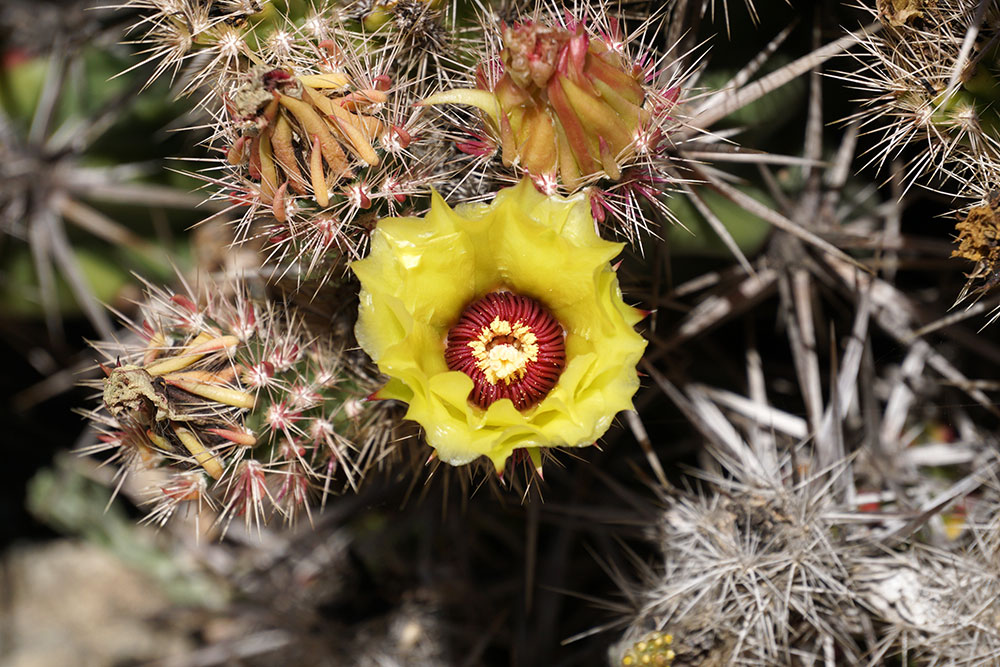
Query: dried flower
x: 979, y: 242
x: 313, y: 123
x: 303, y: 133
x: 316, y: 149
x: 240, y: 403
x: 900, y: 12
x: 502, y: 326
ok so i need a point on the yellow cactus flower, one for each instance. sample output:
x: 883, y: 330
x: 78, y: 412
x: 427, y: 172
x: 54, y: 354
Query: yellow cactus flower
x: 502, y: 325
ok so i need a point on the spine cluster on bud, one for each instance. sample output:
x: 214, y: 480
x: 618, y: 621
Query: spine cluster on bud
x: 174, y: 30
x: 566, y: 103
x: 931, y: 74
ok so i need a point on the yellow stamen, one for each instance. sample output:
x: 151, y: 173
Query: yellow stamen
x: 356, y: 140
x: 362, y: 98
x: 207, y: 377
x: 505, y: 360
x: 278, y: 203
x: 182, y: 360
x: 370, y: 125
x: 321, y: 102
x: 238, y: 153
x: 284, y: 153
x: 239, y: 437
x: 313, y: 125
x: 212, y: 344
x: 199, y: 340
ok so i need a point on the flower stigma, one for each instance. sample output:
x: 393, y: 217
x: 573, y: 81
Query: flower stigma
x: 504, y: 350
x: 510, y: 346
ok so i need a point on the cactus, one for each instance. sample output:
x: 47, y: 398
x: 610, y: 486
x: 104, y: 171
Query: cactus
x: 455, y: 257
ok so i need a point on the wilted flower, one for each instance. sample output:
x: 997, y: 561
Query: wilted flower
x: 313, y: 123
x: 502, y: 326
x: 316, y: 149
x: 244, y: 408
x: 304, y: 132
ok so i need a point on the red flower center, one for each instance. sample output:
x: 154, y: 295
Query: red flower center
x: 510, y: 346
